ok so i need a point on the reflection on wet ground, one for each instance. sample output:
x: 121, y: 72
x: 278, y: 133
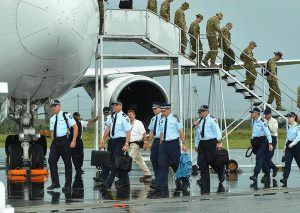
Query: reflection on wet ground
x: 85, y: 196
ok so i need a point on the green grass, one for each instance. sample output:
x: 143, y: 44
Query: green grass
x: 239, y: 139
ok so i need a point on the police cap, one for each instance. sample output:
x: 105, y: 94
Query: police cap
x: 54, y: 102
x: 278, y: 53
x: 220, y: 15
x: 76, y: 113
x: 203, y: 108
x: 155, y: 105
x: 291, y: 114
x: 255, y: 109
x: 186, y: 5
x: 165, y: 106
x: 116, y: 102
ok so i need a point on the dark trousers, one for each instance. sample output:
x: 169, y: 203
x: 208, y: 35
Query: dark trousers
x: 290, y: 154
x: 262, y: 157
x: 154, y: 155
x: 169, y: 152
x: 77, y: 157
x: 60, y: 147
x: 270, y: 156
x: 115, y: 148
x: 206, y: 156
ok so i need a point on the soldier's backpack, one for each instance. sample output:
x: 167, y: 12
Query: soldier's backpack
x: 184, y: 167
x: 265, y: 69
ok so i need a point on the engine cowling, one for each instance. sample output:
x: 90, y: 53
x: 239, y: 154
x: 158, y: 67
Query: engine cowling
x: 135, y: 91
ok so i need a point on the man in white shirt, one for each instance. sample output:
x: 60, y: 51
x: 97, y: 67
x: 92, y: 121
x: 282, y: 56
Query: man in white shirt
x: 273, y: 127
x: 137, y: 136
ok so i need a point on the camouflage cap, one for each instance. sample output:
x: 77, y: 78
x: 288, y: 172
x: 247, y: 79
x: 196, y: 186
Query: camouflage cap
x: 199, y: 16
x: 253, y: 43
x: 278, y: 53
x: 220, y: 15
x: 186, y: 5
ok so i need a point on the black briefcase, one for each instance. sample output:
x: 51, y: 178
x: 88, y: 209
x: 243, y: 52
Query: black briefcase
x: 100, y: 158
x: 124, y: 162
x: 221, y: 157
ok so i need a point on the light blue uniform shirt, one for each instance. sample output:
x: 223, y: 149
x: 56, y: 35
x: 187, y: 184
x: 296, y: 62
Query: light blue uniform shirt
x: 173, y: 127
x: 211, y: 130
x: 260, y: 128
x: 293, y: 134
x: 61, y: 128
x: 122, y: 125
x: 152, y: 125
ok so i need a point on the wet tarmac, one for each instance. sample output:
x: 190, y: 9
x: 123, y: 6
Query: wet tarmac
x: 237, y: 196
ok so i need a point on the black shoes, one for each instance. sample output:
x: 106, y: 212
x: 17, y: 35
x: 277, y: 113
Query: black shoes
x: 178, y: 185
x: 284, y: 181
x: 66, y: 188
x: 254, y: 177
x: 53, y: 186
x: 155, y: 187
x: 275, y: 170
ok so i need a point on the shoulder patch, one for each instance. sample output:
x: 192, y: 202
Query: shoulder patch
x: 124, y: 114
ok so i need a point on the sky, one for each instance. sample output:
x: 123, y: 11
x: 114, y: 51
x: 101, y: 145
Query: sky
x: 273, y: 24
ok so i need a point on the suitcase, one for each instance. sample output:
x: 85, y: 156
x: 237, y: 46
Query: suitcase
x: 124, y: 162
x: 100, y: 158
x: 221, y: 157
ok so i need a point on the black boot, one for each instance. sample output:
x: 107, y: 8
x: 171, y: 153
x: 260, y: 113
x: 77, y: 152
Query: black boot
x: 254, y: 177
x: 178, y: 185
x: 275, y: 170
x: 263, y: 178
x: 284, y: 181
x: 267, y: 181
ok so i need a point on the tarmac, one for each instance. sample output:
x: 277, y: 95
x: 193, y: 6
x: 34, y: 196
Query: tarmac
x: 238, y: 195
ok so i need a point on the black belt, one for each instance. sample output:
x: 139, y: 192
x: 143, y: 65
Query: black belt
x: 137, y: 142
x: 260, y: 137
x: 118, y: 139
x: 62, y: 137
x: 170, y: 141
x: 210, y: 140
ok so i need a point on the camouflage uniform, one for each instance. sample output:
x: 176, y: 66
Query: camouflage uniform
x: 298, y: 99
x: 165, y: 10
x: 101, y: 15
x: 194, y: 30
x: 274, y: 90
x: 212, y: 28
x: 180, y: 21
x: 152, y: 5
x: 224, y: 44
x: 247, y: 58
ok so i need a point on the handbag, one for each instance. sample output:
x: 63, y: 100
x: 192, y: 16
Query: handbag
x: 100, y: 158
x: 123, y: 162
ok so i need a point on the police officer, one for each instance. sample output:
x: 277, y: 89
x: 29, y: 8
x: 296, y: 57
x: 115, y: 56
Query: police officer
x: 292, y: 146
x: 77, y: 152
x: 60, y: 124
x: 101, y: 176
x: 171, y: 129
x: 207, y: 141
x: 154, y: 136
x: 261, y: 141
x: 273, y: 127
x: 118, y: 128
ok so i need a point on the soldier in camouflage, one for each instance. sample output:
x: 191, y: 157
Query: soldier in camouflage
x: 101, y: 15
x: 194, y: 30
x: 247, y: 58
x: 179, y: 20
x: 165, y: 9
x: 272, y: 77
x: 224, y: 44
x: 152, y: 5
x: 212, y: 28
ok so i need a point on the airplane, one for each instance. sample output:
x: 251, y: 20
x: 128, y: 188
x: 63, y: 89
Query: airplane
x: 46, y: 49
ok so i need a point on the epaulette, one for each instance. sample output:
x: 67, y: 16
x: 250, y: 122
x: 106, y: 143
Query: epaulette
x: 215, y: 119
x: 176, y: 116
x: 124, y: 114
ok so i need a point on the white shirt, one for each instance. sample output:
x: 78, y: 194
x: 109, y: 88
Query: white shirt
x: 84, y: 124
x: 273, y: 126
x: 137, y: 131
